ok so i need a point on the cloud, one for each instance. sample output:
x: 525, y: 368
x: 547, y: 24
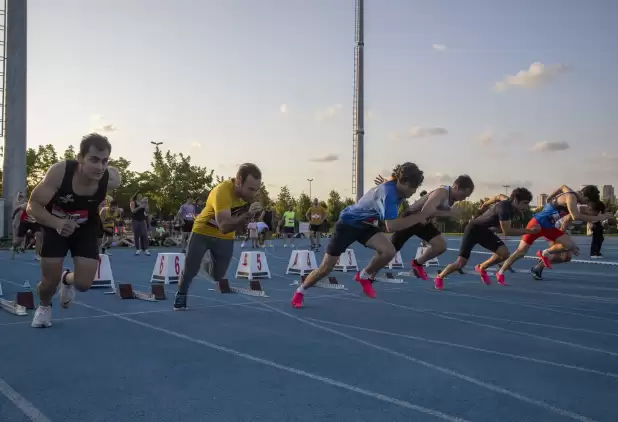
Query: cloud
x: 328, y: 112
x: 283, y: 108
x: 550, y: 146
x: 196, y: 145
x: 486, y: 138
x: 438, y: 47
x: 329, y: 158
x: 536, y: 75
x: 98, y: 124
x: 422, y: 132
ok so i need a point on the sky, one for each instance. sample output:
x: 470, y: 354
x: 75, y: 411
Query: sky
x: 517, y: 93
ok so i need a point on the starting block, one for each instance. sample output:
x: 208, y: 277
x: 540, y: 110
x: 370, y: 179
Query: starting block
x: 104, y: 276
x: 302, y: 262
x: 125, y: 291
x: 332, y: 283
x: 18, y: 307
x: 433, y: 262
x: 388, y: 278
x: 168, y: 268
x: 347, y: 262
x: 396, y: 262
x: 252, y: 265
x: 255, y: 288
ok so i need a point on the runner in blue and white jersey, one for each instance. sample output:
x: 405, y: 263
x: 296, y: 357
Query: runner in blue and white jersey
x: 365, y: 222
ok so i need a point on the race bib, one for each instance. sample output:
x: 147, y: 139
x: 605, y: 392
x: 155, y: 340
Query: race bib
x: 189, y: 216
x: 79, y: 216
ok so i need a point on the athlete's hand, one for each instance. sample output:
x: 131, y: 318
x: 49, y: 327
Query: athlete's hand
x: 255, y: 208
x: 607, y: 216
x: 576, y: 251
x: 379, y: 180
x: 534, y: 229
x: 66, y: 227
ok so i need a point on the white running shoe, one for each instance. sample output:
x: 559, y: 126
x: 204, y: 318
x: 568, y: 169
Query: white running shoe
x: 137, y: 252
x: 42, y: 317
x: 67, y: 292
x: 147, y: 252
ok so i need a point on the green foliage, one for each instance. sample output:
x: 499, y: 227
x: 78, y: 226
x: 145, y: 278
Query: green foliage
x: 263, y: 197
x: 334, y: 206
x: 302, y: 206
x: 285, y: 201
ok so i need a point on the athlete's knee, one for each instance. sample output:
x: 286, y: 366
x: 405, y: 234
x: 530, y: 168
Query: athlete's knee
x: 327, y: 265
x: 438, y: 244
x: 387, y: 251
x: 502, y: 253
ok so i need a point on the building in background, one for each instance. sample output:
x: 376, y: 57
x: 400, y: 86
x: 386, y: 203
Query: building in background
x: 542, y: 200
x: 607, y: 194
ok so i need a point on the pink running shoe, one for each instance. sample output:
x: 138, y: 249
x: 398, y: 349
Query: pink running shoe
x: 367, y: 287
x: 500, y: 279
x: 545, y: 259
x: 419, y: 271
x: 297, y: 300
x: 438, y: 283
x: 484, y: 276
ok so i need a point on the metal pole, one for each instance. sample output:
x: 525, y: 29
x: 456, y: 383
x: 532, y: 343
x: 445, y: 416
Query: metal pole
x: 15, y: 110
x: 359, y: 129
x: 506, y: 189
x: 309, y: 180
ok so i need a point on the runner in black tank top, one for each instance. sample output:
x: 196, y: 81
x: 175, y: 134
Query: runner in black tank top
x: 66, y: 204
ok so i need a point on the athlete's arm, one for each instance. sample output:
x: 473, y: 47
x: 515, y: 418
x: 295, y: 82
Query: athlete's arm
x: 492, y: 201
x: 42, y: 195
x: 565, y: 222
x: 222, y: 205
x: 505, y: 215
x: 308, y: 215
x: 577, y: 215
x: 561, y: 189
x: 430, y: 208
x: 103, y: 213
x: 114, y: 180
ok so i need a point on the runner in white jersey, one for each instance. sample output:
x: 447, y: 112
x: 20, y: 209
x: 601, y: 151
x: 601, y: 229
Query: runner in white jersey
x: 438, y: 203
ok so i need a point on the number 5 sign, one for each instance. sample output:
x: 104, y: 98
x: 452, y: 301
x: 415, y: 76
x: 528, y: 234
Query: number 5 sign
x: 168, y: 268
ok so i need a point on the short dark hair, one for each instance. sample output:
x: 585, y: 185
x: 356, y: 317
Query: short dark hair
x: 464, y: 182
x: 99, y: 142
x: 246, y: 170
x: 598, y: 206
x: 521, y: 195
x: 408, y: 173
x: 591, y: 192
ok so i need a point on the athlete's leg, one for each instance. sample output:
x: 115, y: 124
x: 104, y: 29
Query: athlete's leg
x: 385, y: 252
x: 561, y: 258
x: 468, y: 241
x: 343, y: 236
x: 196, y: 249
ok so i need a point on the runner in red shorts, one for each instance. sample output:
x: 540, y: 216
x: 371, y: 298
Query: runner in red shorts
x: 560, y: 203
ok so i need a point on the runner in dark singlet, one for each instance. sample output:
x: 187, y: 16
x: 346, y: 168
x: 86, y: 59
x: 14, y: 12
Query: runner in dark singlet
x: 560, y: 203
x: 66, y: 205
x: 479, y: 231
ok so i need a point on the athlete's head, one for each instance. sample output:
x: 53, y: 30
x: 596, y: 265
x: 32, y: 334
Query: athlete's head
x: 189, y: 200
x: 113, y: 205
x: 591, y: 194
x: 248, y: 180
x: 315, y: 202
x: 409, y: 177
x: 137, y: 197
x: 462, y: 188
x: 521, y: 197
x: 93, y: 156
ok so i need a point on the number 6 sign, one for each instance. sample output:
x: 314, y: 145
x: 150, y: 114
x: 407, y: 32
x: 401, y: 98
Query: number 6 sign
x: 168, y: 268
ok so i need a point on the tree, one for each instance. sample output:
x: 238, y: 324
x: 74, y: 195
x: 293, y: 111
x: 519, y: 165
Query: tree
x: 262, y: 196
x: 348, y: 201
x: 69, y: 153
x: 302, y: 205
x: 285, y: 201
x: 37, y: 163
x: 334, y: 206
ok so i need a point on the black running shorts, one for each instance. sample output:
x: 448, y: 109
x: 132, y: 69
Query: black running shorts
x: 478, y: 235
x: 344, y: 235
x: 83, y: 243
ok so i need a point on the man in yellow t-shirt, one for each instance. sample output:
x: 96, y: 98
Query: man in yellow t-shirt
x: 226, y: 211
x: 316, y: 216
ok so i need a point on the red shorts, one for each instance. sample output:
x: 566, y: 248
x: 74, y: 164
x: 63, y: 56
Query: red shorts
x: 549, y: 233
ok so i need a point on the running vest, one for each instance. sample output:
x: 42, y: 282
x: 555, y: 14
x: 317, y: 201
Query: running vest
x: 443, y: 206
x: 139, y: 215
x: 110, y: 218
x: 81, y: 209
x: 552, y: 212
x: 289, y: 218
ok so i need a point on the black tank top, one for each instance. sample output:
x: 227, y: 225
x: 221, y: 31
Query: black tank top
x: 83, y: 209
x: 268, y: 217
x: 139, y: 215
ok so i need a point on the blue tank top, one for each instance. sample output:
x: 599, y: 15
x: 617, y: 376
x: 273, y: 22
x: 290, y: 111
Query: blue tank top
x: 552, y: 212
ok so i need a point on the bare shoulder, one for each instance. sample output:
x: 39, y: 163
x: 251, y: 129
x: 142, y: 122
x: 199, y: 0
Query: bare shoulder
x: 55, y: 174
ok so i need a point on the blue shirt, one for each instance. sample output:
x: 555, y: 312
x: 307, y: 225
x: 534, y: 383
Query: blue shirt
x: 551, y: 213
x: 381, y: 203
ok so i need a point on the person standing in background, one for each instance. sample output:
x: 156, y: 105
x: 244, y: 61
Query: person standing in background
x: 596, y: 230
x: 139, y: 225
x: 286, y: 227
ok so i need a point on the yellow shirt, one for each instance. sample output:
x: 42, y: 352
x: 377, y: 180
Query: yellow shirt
x: 316, y: 215
x: 109, y: 218
x: 223, y: 197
